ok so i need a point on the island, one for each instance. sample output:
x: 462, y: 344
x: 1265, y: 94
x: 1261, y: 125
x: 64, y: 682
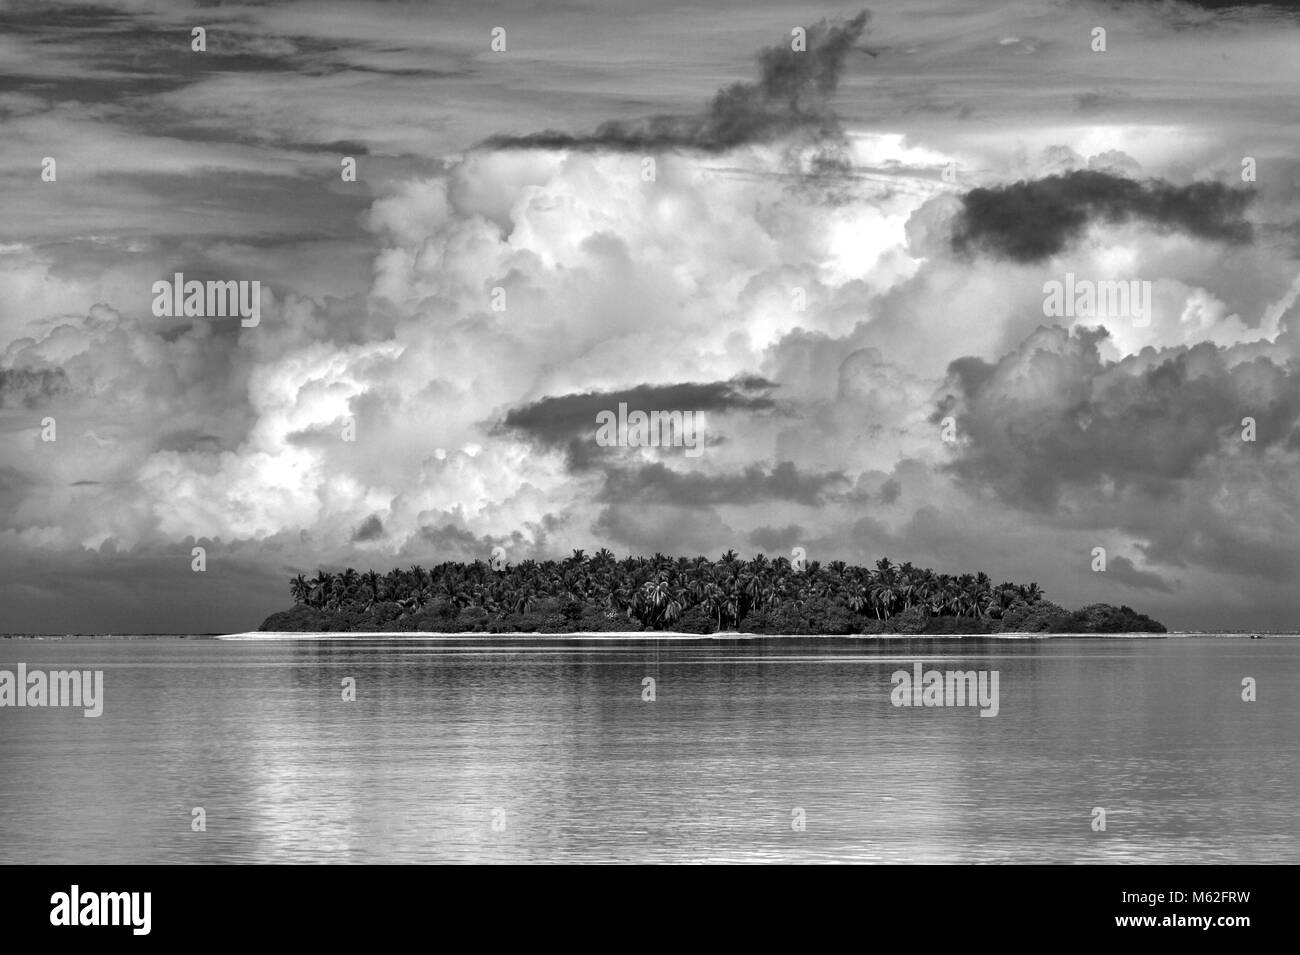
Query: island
x: 601, y: 594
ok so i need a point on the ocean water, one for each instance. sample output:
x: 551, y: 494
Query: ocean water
x: 511, y: 749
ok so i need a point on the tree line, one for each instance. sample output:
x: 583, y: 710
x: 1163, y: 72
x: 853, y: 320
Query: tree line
x: 696, y: 594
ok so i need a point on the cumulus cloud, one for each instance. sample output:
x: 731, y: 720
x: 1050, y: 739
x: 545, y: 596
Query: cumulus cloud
x: 823, y: 332
x: 1186, y: 450
x: 1053, y: 414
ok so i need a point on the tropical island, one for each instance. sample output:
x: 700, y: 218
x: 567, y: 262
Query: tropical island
x: 601, y: 594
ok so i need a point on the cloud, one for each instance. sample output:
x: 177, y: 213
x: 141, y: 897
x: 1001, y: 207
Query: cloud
x: 1154, y: 450
x: 1054, y: 414
x: 1234, y: 7
x: 776, y: 540
x: 451, y: 541
x: 1126, y: 572
x: 372, y: 528
x: 791, y: 95
x: 146, y: 589
x: 657, y: 484
x: 571, y: 419
x: 1031, y: 220
x: 474, y: 426
x: 31, y: 388
x: 663, y: 528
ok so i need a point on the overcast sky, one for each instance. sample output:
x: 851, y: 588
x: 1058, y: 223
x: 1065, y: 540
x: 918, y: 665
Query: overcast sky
x: 523, y: 170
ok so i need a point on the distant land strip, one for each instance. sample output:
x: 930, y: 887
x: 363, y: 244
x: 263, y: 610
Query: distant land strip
x: 687, y: 595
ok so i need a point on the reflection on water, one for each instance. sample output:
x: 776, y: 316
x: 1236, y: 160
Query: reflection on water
x: 551, y: 739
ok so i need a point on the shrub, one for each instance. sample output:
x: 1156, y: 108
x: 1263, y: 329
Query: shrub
x: 872, y: 625
x: 911, y: 620
x: 695, y: 620
x: 1041, y: 617
x: 301, y: 619
x: 1106, y: 618
x: 947, y: 624
x: 596, y: 620
x: 759, y: 621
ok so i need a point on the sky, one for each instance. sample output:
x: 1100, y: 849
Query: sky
x: 838, y: 256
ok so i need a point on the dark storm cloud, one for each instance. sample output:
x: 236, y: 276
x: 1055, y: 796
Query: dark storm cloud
x: 143, y: 589
x: 1290, y: 6
x: 556, y: 420
x: 1144, y: 423
x: 372, y: 528
x: 777, y: 540
x: 1032, y: 219
x: 31, y: 388
x: 658, y: 484
x: 451, y: 542
x: 792, y: 93
x: 121, y: 59
x: 189, y: 440
x: 452, y: 538
x: 969, y: 374
x: 661, y: 528
x: 111, y: 54
x: 1151, y: 447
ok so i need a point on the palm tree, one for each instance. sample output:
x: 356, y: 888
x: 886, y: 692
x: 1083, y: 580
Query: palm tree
x: 714, y: 601
x: 657, y: 591
x: 883, y: 594
x: 349, y: 581
x: 371, y: 581
x: 525, y: 601
x: 450, y: 590
x: 322, y: 588
x: 654, y: 594
x: 856, y: 597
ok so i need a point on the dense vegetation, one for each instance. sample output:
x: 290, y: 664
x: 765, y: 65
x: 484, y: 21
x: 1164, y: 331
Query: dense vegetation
x: 688, y: 595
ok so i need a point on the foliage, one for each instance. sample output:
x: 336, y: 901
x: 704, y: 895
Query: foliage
x: 1104, y: 618
x: 912, y: 620
x: 688, y: 595
x: 1042, y: 617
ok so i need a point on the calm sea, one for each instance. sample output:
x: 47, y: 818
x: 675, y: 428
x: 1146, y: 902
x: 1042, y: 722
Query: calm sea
x: 543, y: 749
